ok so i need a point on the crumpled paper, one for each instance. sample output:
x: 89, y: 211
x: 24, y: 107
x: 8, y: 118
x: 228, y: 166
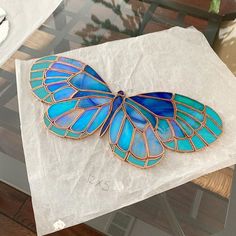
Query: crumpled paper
x: 24, y: 17
x: 74, y: 181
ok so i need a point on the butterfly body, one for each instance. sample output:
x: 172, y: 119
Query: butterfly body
x: 140, y: 128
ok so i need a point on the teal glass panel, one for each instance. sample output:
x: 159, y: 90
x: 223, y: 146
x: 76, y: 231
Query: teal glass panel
x: 41, y: 66
x: 60, y: 132
x: 48, y: 99
x: 119, y: 152
x: 184, y: 145
x: 73, y: 135
x: 153, y: 162
x: 36, y: 83
x: 37, y: 74
x: 135, y: 161
x: 46, y: 121
x: 41, y: 92
x: 48, y: 58
x: 211, y: 125
x: 198, y: 143
x: 185, y: 127
x: 170, y: 144
x: 206, y: 135
x: 193, y: 123
x: 191, y: 112
x: 188, y: 101
x: 210, y: 112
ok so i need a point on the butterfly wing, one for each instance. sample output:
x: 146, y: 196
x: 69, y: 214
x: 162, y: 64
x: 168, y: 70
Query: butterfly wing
x: 133, y: 139
x: 183, y: 124
x: 56, y: 78
x: 80, y: 99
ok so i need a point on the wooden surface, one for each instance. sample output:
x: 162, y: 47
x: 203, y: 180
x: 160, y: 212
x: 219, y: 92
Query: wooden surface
x: 17, y: 218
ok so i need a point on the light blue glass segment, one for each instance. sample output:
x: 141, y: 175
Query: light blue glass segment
x: 37, y: 74
x: 60, y: 132
x: 170, y: 144
x: 46, y: 121
x: 67, y: 119
x: 177, y: 130
x: 115, y: 125
x: 71, y: 61
x: 61, y: 66
x: 153, y: 162
x: 64, y: 94
x: 193, y: 123
x: 188, y: 101
x: 154, y: 145
x: 58, y: 109
x: 41, y: 92
x: 86, y: 82
x: 210, y: 112
x: 212, y: 126
x: 54, y: 73
x: 73, y: 135
x: 135, y: 161
x: 185, y: 127
x: 48, y: 58
x: 136, y: 117
x: 184, y: 145
x: 41, y: 66
x: 56, y: 86
x: 99, y: 119
x: 93, y: 93
x: 81, y: 124
x: 120, y: 153
x: 147, y: 114
x: 206, y: 135
x: 126, y: 135
x: 164, y: 130
x: 138, y: 147
x: 199, y: 116
x: 54, y: 80
x: 36, y: 83
x: 198, y: 143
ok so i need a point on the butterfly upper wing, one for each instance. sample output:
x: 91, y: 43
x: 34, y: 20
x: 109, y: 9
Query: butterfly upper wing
x: 183, y: 124
x: 56, y: 78
x: 81, y: 100
x: 133, y: 139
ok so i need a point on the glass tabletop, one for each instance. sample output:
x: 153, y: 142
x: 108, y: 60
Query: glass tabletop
x: 187, y: 210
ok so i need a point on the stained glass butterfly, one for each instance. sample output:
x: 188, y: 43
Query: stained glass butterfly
x: 140, y: 127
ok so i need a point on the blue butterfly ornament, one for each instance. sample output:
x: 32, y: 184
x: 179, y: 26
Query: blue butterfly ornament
x: 140, y: 127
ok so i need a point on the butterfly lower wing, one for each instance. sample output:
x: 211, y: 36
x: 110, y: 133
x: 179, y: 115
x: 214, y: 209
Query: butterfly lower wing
x: 55, y: 78
x: 77, y: 118
x: 133, y: 139
x: 183, y: 124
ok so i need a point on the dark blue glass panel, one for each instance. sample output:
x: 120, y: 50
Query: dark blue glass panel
x: 159, y: 95
x: 91, y: 71
x: 157, y: 106
x: 90, y: 102
x: 84, y: 81
x: 65, y: 67
x: 178, y: 132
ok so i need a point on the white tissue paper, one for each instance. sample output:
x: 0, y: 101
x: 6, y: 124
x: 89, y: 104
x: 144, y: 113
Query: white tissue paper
x: 74, y: 181
x: 24, y: 18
